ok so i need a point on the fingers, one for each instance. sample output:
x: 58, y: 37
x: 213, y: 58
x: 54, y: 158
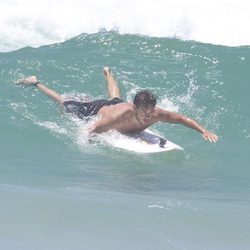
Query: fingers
x: 210, y: 136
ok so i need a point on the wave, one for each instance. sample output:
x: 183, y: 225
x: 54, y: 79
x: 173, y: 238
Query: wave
x: 28, y: 23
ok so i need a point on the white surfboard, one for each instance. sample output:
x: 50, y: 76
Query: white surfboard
x: 143, y: 142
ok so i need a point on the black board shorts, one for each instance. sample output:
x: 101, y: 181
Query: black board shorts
x: 86, y: 109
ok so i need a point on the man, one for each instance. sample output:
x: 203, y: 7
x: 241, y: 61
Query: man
x: 119, y: 115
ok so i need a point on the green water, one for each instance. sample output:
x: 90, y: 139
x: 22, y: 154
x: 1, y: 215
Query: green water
x: 59, y: 192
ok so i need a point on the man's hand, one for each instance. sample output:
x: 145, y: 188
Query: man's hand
x: 210, y: 136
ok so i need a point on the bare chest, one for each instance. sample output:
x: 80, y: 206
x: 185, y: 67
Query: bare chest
x: 130, y: 126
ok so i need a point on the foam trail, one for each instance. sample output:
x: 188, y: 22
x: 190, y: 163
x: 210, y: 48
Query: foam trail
x: 29, y: 23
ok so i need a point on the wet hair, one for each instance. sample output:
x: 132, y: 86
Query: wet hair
x: 144, y: 98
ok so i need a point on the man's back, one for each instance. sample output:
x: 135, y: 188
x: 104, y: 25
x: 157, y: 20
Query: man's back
x: 121, y: 117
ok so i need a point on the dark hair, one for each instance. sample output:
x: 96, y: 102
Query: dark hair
x: 144, y: 98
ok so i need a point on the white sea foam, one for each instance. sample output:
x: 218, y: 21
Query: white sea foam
x: 35, y: 23
x: 52, y: 126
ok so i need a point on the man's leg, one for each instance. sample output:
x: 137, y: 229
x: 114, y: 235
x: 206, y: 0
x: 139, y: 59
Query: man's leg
x: 49, y: 92
x: 112, y: 85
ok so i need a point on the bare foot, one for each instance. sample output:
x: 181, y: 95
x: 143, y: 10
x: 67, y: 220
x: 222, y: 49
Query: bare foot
x: 107, y: 71
x: 32, y: 80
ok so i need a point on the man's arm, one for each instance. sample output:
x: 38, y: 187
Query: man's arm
x: 172, y: 117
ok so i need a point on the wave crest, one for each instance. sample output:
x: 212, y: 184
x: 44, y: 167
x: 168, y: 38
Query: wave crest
x: 28, y: 23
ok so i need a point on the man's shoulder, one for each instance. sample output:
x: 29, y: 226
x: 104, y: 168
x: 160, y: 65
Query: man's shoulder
x: 121, y: 106
x: 161, y: 114
x: 124, y: 108
x: 117, y: 110
x: 127, y: 105
x: 158, y: 111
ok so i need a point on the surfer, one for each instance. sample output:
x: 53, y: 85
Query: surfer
x: 116, y: 114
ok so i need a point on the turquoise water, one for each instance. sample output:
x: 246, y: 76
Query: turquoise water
x: 59, y: 192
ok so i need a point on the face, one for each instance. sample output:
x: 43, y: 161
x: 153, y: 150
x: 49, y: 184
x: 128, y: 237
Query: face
x: 144, y: 114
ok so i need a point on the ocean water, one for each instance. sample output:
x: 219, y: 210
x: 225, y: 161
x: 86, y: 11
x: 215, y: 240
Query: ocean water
x: 58, y: 192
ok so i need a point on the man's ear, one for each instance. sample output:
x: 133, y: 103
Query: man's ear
x: 134, y: 106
